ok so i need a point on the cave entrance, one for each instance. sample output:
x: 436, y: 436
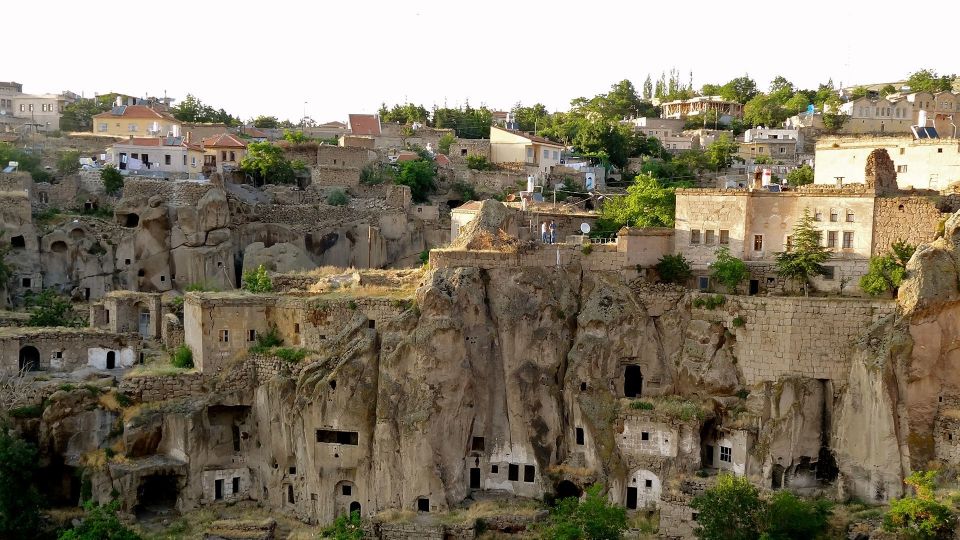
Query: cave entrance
x: 566, y: 489
x: 157, y: 496
x: 29, y: 358
x: 776, y: 479
x: 354, y: 507
x: 632, y: 380
x: 111, y: 360
x: 632, y: 498
x: 131, y: 220
x: 475, y: 478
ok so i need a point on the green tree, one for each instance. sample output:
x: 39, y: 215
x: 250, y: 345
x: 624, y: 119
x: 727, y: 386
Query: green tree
x: 112, y: 179
x: 806, y: 257
x: 674, y: 269
x: 257, y: 281
x: 530, y: 118
x: 790, y: 518
x: 728, y: 270
x: 722, y: 152
x: 50, y: 309
x: 338, y: 197
x: 100, y: 523
x: 647, y: 204
x: 921, y: 517
x: 443, y: 144
x: 419, y: 176
x: 833, y: 117
x: 478, y: 162
x: 345, y: 528
x: 741, y: 89
x: 647, y: 88
x: 68, y: 162
x: 886, y: 272
x: 927, y: 80
x: 887, y: 90
x: 594, y: 518
x: 764, y: 110
x: 267, y: 164
x: 78, y: 116
x: 295, y: 137
x: 19, y: 499
x: 266, y: 122
x: 858, y: 92
x: 797, y: 104
x: 800, y: 176
x: 730, y: 510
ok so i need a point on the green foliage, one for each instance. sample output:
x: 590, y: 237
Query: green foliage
x: 807, y: 256
x: 594, y: 518
x: 887, y: 90
x: 647, y: 204
x: 674, y: 269
x: 742, y: 393
x: 112, y: 179
x: 19, y: 499
x: 419, y: 176
x: 443, y: 144
x: 587, y: 249
x: 425, y: 256
x: 28, y: 162
x: 466, y: 122
x: 257, y: 281
x: 182, y: 357
x: 833, y: 119
x: 738, y: 322
x: 721, y: 153
x: 800, y: 176
x: 921, y: 517
x: 887, y: 271
x: 858, y: 92
x: 791, y: 518
x: 50, y: 309
x: 709, y: 302
x: 740, y: 89
x: 641, y: 405
x: 338, y: 197
x: 295, y: 137
x: 267, y: 341
x: 478, y: 163
x: 68, y: 162
x: 345, y: 528
x: 376, y: 173
x: 728, y: 270
x: 927, y: 80
x: 78, y: 116
x: 266, y: 122
x: 731, y: 510
x: 406, y: 114
x: 191, y: 109
x: 465, y: 190
x: 530, y: 119
x: 28, y: 411
x: 100, y: 523
x: 267, y: 164
x: 291, y: 355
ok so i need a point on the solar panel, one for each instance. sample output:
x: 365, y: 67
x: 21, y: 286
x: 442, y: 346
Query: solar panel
x: 922, y: 132
x: 118, y: 110
x: 8, y: 169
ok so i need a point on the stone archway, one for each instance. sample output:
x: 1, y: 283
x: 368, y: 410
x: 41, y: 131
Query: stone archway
x: 354, y: 507
x: 29, y: 358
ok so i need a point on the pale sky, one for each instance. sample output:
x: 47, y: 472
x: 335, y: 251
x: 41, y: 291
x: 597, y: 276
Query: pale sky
x: 269, y: 57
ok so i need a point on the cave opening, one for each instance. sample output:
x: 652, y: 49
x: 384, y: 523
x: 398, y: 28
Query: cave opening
x: 157, y: 496
x: 632, y: 380
x: 131, y: 220
x: 566, y: 489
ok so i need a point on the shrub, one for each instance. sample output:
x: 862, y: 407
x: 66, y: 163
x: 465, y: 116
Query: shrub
x: 443, y: 144
x: 125, y: 401
x: 338, y: 197
x: 674, y: 269
x: 593, y: 518
x: 587, y: 249
x: 112, y: 179
x: 709, y: 302
x: 345, y: 528
x: 100, y: 523
x: 424, y: 257
x: 921, y: 517
x: 182, y: 357
x: 28, y: 411
x: 50, y: 309
x: 266, y: 341
x: 289, y: 354
x: 743, y: 393
x: 375, y: 173
x: 465, y: 190
x: 738, y: 322
x: 257, y: 281
x: 728, y: 270
x: 642, y: 405
x: 731, y: 510
x: 419, y: 176
x: 19, y: 499
x: 478, y: 163
x: 790, y: 518
x: 68, y: 162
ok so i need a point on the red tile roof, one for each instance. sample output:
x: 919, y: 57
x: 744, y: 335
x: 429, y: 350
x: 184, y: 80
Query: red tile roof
x: 365, y: 124
x: 250, y: 131
x: 406, y: 155
x: 223, y: 140
x: 135, y: 111
x: 441, y: 159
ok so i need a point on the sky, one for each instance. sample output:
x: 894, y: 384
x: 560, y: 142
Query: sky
x: 333, y: 58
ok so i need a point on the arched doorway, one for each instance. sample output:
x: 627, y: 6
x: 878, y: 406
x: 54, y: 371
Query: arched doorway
x: 632, y: 381
x: 566, y: 489
x: 354, y: 507
x: 29, y: 358
x: 111, y: 360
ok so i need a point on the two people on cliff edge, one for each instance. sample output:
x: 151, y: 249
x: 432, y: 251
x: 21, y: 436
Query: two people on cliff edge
x: 548, y: 233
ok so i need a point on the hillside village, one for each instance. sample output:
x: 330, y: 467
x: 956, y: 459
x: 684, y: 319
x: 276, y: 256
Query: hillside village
x: 439, y: 323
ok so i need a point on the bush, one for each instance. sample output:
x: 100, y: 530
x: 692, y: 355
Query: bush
x: 738, y: 322
x: 594, y: 518
x: 338, y: 197
x: 291, y: 355
x: 800, y: 176
x: 50, y: 309
x: 791, y: 518
x: 28, y: 411
x: 68, y: 162
x: 728, y: 270
x: 345, y: 528
x: 674, y: 269
x: 112, y: 179
x: 424, y: 257
x: 465, y: 190
x: 921, y: 517
x: 642, y: 405
x: 182, y: 357
x: 19, y: 499
x: 418, y: 175
x: 478, y: 163
x: 742, y: 393
x: 731, y: 510
x: 443, y: 144
x: 257, y: 281
x: 587, y: 249
x: 375, y: 173
x: 266, y: 341
x: 100, y: 523
x: 709, y: 302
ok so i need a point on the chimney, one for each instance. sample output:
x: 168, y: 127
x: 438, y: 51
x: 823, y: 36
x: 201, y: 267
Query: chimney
x: 188, y: 136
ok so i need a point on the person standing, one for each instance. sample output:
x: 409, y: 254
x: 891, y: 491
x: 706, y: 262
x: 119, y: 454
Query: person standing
x: 543, y: 232
x: 553, y: 232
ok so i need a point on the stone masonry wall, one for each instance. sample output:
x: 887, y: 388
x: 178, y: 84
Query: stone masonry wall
x: 184, y: 193
x: 795, y: 336
x: 335, y: 176
x: 601, y: 257
x: 156, y: 388
x: 911, y: 219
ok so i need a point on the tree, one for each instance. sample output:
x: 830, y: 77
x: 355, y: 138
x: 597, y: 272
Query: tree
x: 764, y: 110
x: 594, y: 518
x: 78, y: 116
x: 418, y: 175
x: 257, y: 281
x: 266, y: 122
x: 267, y: 164
x: 345, y: 528
x: 728, y: 270
x: 100, y: 523
x: 927, y: 80
x: 674, y: 269
x: 858, y: 92
x: 295, y: 137
x: 722, y: 152
x: 887, y: 90
x: 780, y: 84
x: 530, y: 118
x: 68, y: 162
x: 833, y: 117
x: 19, y: 499
x: 443, y: 144
x: 921, y: 517
x: 112, y: 179
x: 886, y: 272
x: 800, y: 176
x: 50, y: 309
x: 478, y: 162
x: 790, y: 518
x: 731, y: 510
x: 647, y: 204
x: 647, y: 88
x: 741, y: 89
x: 797, y: 104
x: 806, y: 256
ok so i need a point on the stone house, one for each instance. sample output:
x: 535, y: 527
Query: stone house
x: 163, y: 154
x: 919, y: 164
x: 136, y: 120
x: 65, y: 349
x: 222, y: 153
x: 127, y: 312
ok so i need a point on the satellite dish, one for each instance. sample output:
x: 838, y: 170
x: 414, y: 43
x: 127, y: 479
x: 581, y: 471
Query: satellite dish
x: 538, y: 197
x: 585, y: 228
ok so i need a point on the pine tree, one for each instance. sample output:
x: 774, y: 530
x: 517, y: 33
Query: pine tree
x: 805, y: 258
x: 648, y: 88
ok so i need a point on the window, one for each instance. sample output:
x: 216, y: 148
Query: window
x: 346, y: 489
x: 184, y: 160
x: 939, y: 150
x: 758, y: 242
x: 709, y: 238
x: 849, y: 216
x: 703, y: 283
x: 224, y: 336
x: 556, y: 154
x: 59, y: 354
x: 131, y: 128
x: 296, y: 328
x: 494, y: 469
x: 193, y: 162
x: 901, y: 168
x: 332, y: 436
x: 783, y: 150
x: 832, y: 239
x: 546, y: 154
x: 724, y: 237
x: 166, y: 159
x: 529, y: 473
x: 644, y: 435
x: 477, y: 444
x: 648, y: 483
x: 580, y: 436
x: 218, y: 489
x: 847, y: 239
x: 251, y: 335
x: 31, y: 107
x: 818, y: 215
x: 829, y: 273
x: 726, y: 454
x: 236, y: 484
x: 834, y: 216
x: 21, y: 107
x: 529, y: 153
x: 223, y: 155
x: 233, y: 156
x: 695, y: 237
x: 513, y: 472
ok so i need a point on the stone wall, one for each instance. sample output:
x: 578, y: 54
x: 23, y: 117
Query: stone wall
x: 676, y: 520
x: 174, y: 193
x: 946, y: 435
x: 911, y: 219
x: 335, y: 176
x: 491, y: 181
x: 344, y: 156
x: 601, y: 257
x: 795, y: 336
x: 158, y: 388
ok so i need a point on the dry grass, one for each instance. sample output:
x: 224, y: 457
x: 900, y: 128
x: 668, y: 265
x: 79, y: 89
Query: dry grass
x: 161, y: 367
x: 490, y: 508
x: 193, y: 525
x: 567, y: 471
x: 394, y: 515
x: 370, y: 291
x: 108, y: 401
